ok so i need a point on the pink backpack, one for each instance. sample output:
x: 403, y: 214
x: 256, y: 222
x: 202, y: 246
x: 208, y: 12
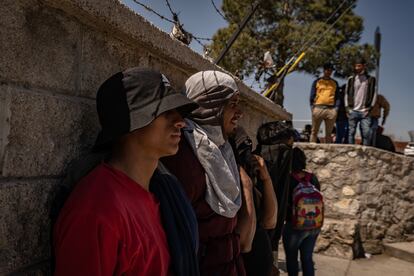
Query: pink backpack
x: 307, y: 204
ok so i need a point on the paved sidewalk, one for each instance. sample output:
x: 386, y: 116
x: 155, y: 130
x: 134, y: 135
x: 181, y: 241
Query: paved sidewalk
x: 377, y: 265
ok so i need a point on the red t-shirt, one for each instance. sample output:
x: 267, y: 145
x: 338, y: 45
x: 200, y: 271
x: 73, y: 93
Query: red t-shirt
x: 110, y: 225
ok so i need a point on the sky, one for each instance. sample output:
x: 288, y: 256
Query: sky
x: 394, y: 17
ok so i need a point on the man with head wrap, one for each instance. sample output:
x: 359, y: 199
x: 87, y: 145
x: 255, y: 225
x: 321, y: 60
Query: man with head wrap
x: 206, y: 167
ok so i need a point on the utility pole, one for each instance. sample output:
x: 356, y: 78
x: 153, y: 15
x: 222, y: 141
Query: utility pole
x: 377, y: 44
x: 236, y: 34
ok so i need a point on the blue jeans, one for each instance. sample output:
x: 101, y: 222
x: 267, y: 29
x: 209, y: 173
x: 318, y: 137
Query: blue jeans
x: 374, y: 127
x: 303, y: 241
x: 364, y: 121
x: 342, y: 132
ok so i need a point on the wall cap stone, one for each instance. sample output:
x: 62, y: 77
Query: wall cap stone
x: 356, y: 148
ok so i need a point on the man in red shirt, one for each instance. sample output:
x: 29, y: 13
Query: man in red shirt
x: 111, y: 223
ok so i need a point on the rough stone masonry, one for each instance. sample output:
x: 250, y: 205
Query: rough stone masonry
x: 369, y: 197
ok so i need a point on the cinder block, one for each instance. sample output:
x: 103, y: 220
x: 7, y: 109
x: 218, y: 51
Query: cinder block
x: 39, y: 45
x: 25, y: 228
x: 104, y: 55
x: 46, y: 132
x: 177, y: 76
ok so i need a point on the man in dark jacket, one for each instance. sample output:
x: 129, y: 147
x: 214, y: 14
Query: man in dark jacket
x: 375, y: 114
x: 360, y: 97
x: 383, y: 141
x: 275, y: 140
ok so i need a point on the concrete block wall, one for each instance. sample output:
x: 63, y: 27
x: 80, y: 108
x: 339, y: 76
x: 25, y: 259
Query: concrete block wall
x: 54, y: 55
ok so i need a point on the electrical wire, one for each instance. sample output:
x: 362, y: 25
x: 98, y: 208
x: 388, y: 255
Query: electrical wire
x: 305, y: 45
x: 322, y: 37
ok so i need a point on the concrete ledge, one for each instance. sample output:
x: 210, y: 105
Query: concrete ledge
x: 401, y: 250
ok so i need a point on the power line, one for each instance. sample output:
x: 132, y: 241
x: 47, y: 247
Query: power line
x: 272, y: 88
x: 308, y: 42
x: 330, y: 27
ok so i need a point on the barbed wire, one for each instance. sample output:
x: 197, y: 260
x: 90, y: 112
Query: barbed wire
x: 153, y: 11
x: 174, y: 14
x: 219, y: 12
x: 174, y: 21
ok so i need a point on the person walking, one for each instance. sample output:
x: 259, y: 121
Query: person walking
x: 360, y: 97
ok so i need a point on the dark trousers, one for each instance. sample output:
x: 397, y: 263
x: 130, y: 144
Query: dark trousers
x: 342, y: 132
x: 259, y: 261
x: 303, y: 241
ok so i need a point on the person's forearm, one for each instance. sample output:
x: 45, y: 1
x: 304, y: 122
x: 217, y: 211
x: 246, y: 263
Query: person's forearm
x: 269, y: 205
x: 246, y: 225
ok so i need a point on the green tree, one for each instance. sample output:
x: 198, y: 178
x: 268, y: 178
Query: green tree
x: 283, y: 26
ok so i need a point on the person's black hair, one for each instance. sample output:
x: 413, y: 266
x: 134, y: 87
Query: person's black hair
x: 327, y: 66
x: 360, y: 60
x: 298, y: 159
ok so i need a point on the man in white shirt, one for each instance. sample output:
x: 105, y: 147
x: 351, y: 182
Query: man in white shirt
x: 360, y: 97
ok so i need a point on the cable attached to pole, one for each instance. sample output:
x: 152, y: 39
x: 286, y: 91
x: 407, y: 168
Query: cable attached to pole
x: 295, y: 60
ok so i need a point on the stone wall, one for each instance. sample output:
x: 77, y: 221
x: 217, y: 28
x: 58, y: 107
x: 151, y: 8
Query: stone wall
x: 369, y: 197
x: 54, y: 55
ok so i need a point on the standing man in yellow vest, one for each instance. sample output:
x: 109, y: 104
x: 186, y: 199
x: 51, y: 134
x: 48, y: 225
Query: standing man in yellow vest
x: 324, y: 102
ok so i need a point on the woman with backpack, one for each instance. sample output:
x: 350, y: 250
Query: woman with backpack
x: 304, y: 217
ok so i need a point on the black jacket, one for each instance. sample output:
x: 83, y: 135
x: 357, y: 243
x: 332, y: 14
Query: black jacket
x: 350, y: 92
x: 279, y: 163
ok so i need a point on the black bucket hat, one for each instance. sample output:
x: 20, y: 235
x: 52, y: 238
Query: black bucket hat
x: 272, y: 133
x: 132, y: 99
